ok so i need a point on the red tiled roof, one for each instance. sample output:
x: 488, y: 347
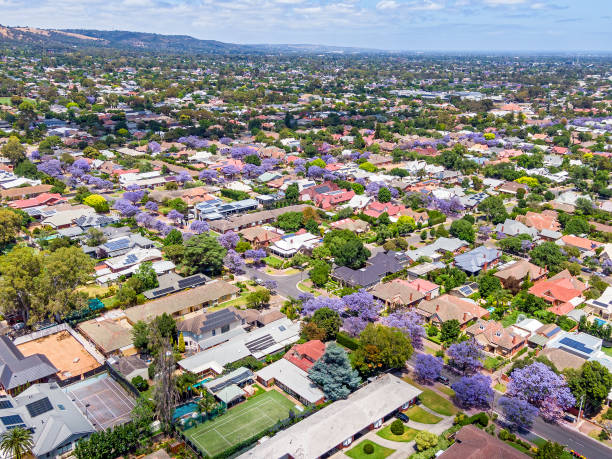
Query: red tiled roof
x: 305, y: 355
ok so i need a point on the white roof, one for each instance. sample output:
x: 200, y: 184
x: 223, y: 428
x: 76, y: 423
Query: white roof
x: 292, y: 377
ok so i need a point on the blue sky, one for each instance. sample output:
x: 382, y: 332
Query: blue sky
x: 454, y: 25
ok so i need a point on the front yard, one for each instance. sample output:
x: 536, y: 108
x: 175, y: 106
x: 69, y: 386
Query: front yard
x: 380, y: 452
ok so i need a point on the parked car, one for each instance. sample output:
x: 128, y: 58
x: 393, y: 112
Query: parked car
x: 402, y: 417
x: 443, y: 379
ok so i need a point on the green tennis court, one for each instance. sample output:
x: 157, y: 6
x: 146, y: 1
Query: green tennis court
x: 240, y: 422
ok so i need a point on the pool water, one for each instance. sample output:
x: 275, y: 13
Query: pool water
x: 183, y: 410
x: 600, y: 322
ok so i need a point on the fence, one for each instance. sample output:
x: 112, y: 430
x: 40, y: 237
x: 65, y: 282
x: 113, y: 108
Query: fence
x: 121, y: 380
x: 87, y: 374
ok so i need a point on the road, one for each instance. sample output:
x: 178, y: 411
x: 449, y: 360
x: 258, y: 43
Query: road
x: 557, y: 432
x: 287, y: 285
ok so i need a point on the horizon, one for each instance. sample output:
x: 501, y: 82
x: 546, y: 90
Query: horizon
x: 452, y: 26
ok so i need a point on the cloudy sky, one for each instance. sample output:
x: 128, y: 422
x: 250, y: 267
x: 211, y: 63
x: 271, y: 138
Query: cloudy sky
x: 456, y: 25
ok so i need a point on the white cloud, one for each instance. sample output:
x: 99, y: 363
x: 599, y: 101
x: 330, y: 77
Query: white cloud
x: 504, y: 2
x: 387, y: 5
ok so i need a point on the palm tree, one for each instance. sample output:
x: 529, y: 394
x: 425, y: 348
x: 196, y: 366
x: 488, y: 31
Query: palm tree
x: 16, y: 443
x: 207, y: 403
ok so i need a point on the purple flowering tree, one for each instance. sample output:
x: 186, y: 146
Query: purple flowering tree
x: 208, y: 175
x: 372, y: 188
x: 175, y: 215
x: 410, y: 323
x: 311, y: 305
x: 543, y: 388
x: 234, y: 262
x: 225, y: 140
x: 465, y: 356
x: 230, y: 170
x: 35, y: 155
x: 270, y: 284
x: 154, y: 147
x: 81, y: 164
x: 183, y: 177
x: 255, y: 254
x: 228, y: 240
x: 518, y: 412
x: 353, y: 325
x: 473, y: 391
x: 199, y: 227
x: 151, y: 206
x: 143, y: 219
x: 125, y: 208
x: 315, y: 172
x: 52, y: 167
x: 362, y: 304
x: 134, y: 196
x: 428, y: 367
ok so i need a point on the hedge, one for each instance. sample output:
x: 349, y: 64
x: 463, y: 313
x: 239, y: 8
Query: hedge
x: 346, y: 341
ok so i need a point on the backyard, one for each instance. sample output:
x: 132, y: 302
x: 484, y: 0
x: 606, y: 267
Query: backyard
x: 240, y: 423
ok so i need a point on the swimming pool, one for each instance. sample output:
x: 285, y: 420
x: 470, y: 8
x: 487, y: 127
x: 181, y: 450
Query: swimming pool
x: 184, y: 410
x: 599, y: 322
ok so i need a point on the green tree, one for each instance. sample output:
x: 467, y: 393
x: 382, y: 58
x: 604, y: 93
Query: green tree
x: 257, y: 299
x: 292, y: 193
x: 577, y: 226
x: 13, y: 150
x: 174, y: 237
x: 140, y: 335
x: 203, y: 254
x: 346, y: 248
x: 450, y: 331
x: 16, y: 443
x: 10, y: 225
x: 593, y: 381
x: 381, y: 348
x: 425, y: 440
x: 97, y: 202
x: 290, y: 221
x: 319, y: 274
x: 384, y: 195
x: 493, y: 208
x: 146, y: 275
x: 333, y: 372
x: 550, y: 450
x: 207, y: 403
x: 463, y: 230
x: 487, y: 283
x: 95, y: 237
x: 328, y: 320
x: 548, y: 255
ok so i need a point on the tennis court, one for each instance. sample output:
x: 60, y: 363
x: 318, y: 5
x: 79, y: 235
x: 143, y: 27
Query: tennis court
x: 240, y: 422
x: 104, y: 401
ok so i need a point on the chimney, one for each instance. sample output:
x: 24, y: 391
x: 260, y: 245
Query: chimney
x: 411, y: 297
x: 465, y: 316
x: 514, y: 339
x: 437, y: 307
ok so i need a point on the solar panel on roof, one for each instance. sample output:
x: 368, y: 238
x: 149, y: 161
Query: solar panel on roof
x: 5, y: 404
x: 12, y: 419
x: 162, y: 291
x: 577, y: 345
x: 21, y: 426
x: 260, y: 343
x: 599, y: 303
x: 39, y: 407
x: 191, y: 281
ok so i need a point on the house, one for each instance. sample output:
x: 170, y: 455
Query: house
x: 494, y: 338
x: 111, y: 334
x: 512, y: 188
x: 562, y: 359
x: 602, y: 306
x: 254, y: 318
x: 338, y: 424
x: 436, y: 250
x: 229, y: 388
x: 519, y: 271
x: 43, y: 199
x: 355, y: 226
x: 257, y: 343
x: 563, y: 291
x: 545, y: 220
x: 206, y: 329
x: 397, y: 293
x: 184, y: 302
x: 216, y: 209
x: 122, y: 245
x: 447, y: 307
x: 306, y: 354
x: 238, y: 222
x: 581, y: 243
x: 291, y: 379
x: 130, y: 366
x: 581, y: 344
x: 260, y: 237
x: 359, y: 201
x: 17, y: 371
x: 376, y: 209
x: 474, y: 443
x: 54, y: 420
x: 291, y: 244
x: 25, y: 192
x: 479, y: 259
x: 377, y: 267
x: 429, y: 289
x: 514, y: 228
x: 131, y: 259
x: 170, y: 282
x: 66, y: 218
x: 326, y: 195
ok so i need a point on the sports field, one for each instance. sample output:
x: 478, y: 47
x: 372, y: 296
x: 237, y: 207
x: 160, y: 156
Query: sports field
x: 240, y: 422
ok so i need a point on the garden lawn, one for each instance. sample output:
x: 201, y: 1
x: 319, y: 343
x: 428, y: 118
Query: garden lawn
x: 380, y: 452
x: 418, y: 414
x: 437, y: 403
x: 493, y: 363
x: 273, y: 262
x: 510, y: 319
x: 607, y: 351
x: 408, y: 434
x: 240, y: 423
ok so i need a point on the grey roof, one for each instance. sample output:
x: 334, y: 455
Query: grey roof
x: 474, y: 260
x: 377, y: 267
x: 17, y: 370
x: 293, y: 378
x: 238, y: 376
x: 330, y: 426
x: 230, y: 393
x: 57, y: 422
x: 513, y: 228
x: 208, y: 321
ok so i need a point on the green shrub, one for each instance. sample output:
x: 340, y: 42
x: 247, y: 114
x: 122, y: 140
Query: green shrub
x: 397, y: 427
x: 140, y: 383
x: 368, y: 448
x: 503, y: 435
x: 479, y: 418
x: 347, y: 341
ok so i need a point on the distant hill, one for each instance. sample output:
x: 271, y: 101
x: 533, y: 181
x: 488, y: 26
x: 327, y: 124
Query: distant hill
x: 118, y: 39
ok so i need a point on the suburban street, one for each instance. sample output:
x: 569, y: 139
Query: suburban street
x: 287, y: 285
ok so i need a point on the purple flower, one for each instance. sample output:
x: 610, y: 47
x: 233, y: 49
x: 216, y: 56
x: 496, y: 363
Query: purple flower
x: 125, y: 208
x: 154, y: 147
x: 428, y: 367
x: 255, y: 254
x: 354, y: 325
x: 199, y: 227
x: 410, y: 323
x: 134, y: 196
x: 183, y: 177
x: 208, y: 176
x: 151, y: 206
x: 225, y: 140
x: 518, y: 412
x: 315, y: 171
x: 310, y: 306
x: 52, y: 167
x: 81, y: 164
x: 228, y: 240
x: 473, y: 391
x: 230, y: 170
x: 362, y: 304
x: 175, y: 215
x: 465, y: 356
x: 234, y: 262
